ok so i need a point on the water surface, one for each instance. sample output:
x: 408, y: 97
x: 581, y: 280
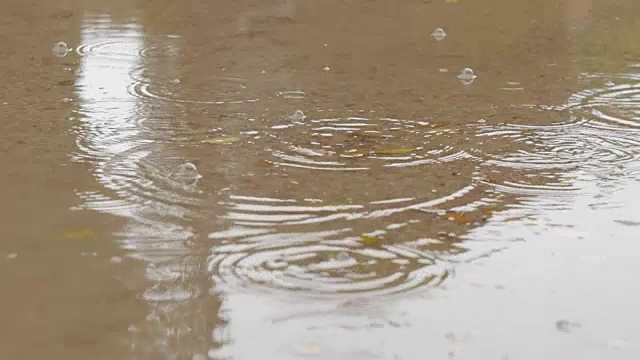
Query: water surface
x: 290, y: 179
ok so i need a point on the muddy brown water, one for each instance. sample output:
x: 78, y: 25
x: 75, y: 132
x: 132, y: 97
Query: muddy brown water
x: 298, y: 179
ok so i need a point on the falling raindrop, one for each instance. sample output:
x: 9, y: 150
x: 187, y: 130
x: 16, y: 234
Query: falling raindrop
x: 298, y: 115
x: 439, y: 34
x: 467, y: 76
x: 187, y: 172
x: 60, y: 49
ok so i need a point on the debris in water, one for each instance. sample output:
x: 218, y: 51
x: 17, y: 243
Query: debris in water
x: 326, y: 68
x: 439, y: 34
x: 60, y: 49
x: 368, y: 240
x: 399, y: 151
x: 467, y: 76
x: 566, y: 326
x: 12, y: 255
x: 77, y: 234
x: 298, y: 115
x: 116, y: 260
x: 221, y: 140
x: 63, y: 14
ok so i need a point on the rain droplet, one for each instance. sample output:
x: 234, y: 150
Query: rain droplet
x: 467, y: 76
x: 439, y: 34
x: 60, y: 49
x: 187, y: 172
x: 298, y: 116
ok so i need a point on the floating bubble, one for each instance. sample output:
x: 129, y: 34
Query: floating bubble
x: 467, y: 76
x: 298, y: 115
x: 439, y: 34
x: 187, y: 172
x: 60, y: 49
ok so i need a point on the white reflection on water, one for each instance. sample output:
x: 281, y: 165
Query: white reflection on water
x: 130, y: 165
x: 577, y: 263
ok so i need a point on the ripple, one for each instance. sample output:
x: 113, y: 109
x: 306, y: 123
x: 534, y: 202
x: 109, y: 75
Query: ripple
x: 616, y: 102
x: 302, y: 264
x: 541, y: 183
x: 132, y: 47
x: 562, y: 147
x: 357, y: 143
x: 381, y: 246
x: 157, y: 84
x: 139, y: 180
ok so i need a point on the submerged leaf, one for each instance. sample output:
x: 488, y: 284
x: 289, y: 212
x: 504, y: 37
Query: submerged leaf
x: 221, y: 140
x: 368, y: 240
x: 77, y: 234
x: 398, y: 151
x: 458, y: 217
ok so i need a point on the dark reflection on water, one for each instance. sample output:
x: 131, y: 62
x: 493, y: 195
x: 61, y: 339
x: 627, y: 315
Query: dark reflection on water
x: 382, y: 188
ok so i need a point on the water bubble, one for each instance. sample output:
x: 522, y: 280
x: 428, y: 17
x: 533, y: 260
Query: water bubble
x: 467, y: 76
x: 298, y: 115
x: 187, y: 172
x: 343, y: 256
x: 439, y: 34
x: 60, y: 49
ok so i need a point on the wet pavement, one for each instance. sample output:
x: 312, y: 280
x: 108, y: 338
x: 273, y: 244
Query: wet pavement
x: 326, y: 180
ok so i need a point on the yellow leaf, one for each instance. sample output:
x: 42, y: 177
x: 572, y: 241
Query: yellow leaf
x: 399, y: 151
x: 368, y: 240
x: 77, y: 234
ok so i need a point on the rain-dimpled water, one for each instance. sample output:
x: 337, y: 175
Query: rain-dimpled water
x: 286, y: 179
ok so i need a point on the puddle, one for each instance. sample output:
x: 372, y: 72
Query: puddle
x: 334, y: 180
